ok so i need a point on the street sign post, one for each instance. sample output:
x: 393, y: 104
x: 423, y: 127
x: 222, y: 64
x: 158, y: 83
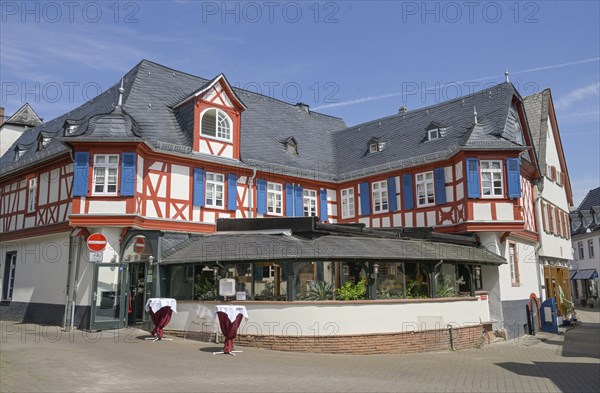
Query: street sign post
x: 96, y: 242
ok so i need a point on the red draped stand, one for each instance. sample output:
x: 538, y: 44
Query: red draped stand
x: 230, y: 317
x: 161, y: 318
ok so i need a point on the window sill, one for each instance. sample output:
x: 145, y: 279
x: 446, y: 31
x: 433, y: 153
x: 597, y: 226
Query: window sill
x: 215, y: 138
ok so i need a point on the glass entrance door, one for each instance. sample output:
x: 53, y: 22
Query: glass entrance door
x: 108, y: 311
x: 137, y: 293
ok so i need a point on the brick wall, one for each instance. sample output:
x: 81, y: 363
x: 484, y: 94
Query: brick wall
x: 406, y: 342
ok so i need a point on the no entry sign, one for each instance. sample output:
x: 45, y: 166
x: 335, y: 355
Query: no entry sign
x: 96, y: 242
x: 139, y: 245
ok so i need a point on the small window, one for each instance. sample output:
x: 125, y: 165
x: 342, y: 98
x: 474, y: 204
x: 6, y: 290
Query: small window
x: 433, y: 134
x: 348, y: 203
x: 106, y: 174
x: 591, y: 248
x: 513, y: 260
x: 20, y: 153
x: 268, y: 272
x: 8, y: 282
x: 32, y: 195
x: 292, y: 148
x: 274, y: 199
x: 215, y: 184
x: 373, y: 148
x: 580, y: 246
x: 309, y: 202
x: 425, y: 189
x: 45, y: 142
x: 216, y: 124
x: 380, y: 197
x: 491, y: 179
x: 71, y: 130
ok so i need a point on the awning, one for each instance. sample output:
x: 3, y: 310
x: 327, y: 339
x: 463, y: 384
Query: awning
x: 583, y: 274
x: 230, y: 247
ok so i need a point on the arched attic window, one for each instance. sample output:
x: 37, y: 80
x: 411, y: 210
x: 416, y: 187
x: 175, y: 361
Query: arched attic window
x: 215, y: 123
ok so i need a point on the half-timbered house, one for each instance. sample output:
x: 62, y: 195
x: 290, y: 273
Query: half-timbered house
x: 163, y: 155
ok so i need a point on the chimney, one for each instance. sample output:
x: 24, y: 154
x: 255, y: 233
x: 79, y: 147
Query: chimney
x: 303, y: 106
x: 1, y: 115
x: 403, y: 109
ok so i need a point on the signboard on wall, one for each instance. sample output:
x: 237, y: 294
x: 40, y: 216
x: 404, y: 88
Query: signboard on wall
x: 96, y: 256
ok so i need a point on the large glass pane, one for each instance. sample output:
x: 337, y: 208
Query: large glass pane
x: 390, y: 281
x: 108, y: 294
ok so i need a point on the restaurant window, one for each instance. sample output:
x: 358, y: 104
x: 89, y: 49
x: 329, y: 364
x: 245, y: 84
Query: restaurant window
x: 390, y: 280
x: 270, y: 281
x: 417, y: 280
x: 314, y: 281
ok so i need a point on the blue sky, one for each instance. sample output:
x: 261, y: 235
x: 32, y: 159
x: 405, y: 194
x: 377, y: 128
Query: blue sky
x: 355, y: 60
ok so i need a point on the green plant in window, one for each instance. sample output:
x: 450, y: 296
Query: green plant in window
x: 350, y: 291
x: 416, y: 290
x: 205, y: 288
x: 445, y: 286
x: 389, y: 289
x: 319, y: 290
x: 268, y: 292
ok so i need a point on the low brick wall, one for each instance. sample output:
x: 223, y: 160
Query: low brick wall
x: 404, y: 342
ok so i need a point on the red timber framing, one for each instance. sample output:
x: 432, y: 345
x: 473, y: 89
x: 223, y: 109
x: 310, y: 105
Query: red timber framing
x: 53, y: 199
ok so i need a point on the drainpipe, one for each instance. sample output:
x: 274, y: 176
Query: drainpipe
x: 69, y: 275
x: 539, y: 226
x: 251, y: 193
x: 75, y: 278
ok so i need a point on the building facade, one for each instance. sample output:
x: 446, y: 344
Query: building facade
x: 168, y: 152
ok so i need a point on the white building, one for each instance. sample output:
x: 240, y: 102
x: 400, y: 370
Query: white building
x: 13, y: 127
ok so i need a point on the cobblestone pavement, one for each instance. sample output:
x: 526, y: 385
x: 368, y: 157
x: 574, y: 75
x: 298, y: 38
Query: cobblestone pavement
x: 39, y: 358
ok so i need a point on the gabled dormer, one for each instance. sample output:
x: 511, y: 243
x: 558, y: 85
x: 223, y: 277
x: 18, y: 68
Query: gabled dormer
x: 43, y: 141
x: 434, y: 131
x: 290, y: 145
x: 375, y: 145
x: 20, y: 151
x: 216, y: 112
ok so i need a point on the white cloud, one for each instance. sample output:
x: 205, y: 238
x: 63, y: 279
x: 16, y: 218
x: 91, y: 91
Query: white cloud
x: 578, y: 95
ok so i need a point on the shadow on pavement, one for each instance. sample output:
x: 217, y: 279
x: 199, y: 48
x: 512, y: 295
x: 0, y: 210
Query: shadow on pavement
x: 211, y: 349
x: 568, y: 377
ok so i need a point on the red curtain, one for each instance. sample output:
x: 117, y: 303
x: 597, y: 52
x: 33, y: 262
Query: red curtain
x: 160, y: 318
x: 229, y: 329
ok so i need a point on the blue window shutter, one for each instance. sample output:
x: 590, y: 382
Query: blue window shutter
x: 128, y: 174
x: 199, y: 178
x: 231, y: 192
x: 407, y: 191
x: 513, y: 170
x: 298, y: 202
x: 80, y: 174
x: 261, y: 196
x: 439, y: 179
x: 323, y: 205
x: 289, y: 200
x: 473, y: 187
x: 365, y: 198
x: 391, y: 185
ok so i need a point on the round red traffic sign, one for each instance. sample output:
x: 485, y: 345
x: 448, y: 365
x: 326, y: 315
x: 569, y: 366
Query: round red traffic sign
x: 139, y: 245
x: 96, y: 242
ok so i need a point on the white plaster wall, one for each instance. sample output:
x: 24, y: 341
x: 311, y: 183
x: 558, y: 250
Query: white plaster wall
x: 333, y: 318
x: 482, y: 212
x: 587, y: 262
x: 107, y: 207
x: 180, y: 182
x: 528, y: 280
x: 41, y: 269
x: 9, y: 135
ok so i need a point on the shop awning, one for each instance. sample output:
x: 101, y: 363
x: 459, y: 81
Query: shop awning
x: 253, y: 247
x: 583, y: 274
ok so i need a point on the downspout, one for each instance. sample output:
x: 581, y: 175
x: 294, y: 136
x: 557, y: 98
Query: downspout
x: 69, y: 276
x: 251, y: 193
x: 540, y: 228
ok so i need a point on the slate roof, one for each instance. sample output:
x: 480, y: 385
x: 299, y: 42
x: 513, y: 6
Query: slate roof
x: 24, y: 116
x: 536, y: 106
x: 277, y: 247
x: 327, y: 148
x: 591, y: 199
x: 587, y: 215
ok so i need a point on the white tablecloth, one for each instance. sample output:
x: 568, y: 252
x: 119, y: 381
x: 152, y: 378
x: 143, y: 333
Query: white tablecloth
x: 156, y: 303
x: 232, y: 311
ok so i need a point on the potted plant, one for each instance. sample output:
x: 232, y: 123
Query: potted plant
x: 350, y: 291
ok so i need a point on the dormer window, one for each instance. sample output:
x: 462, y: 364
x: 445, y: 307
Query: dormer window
x: 215, y: 123
x: 19, y: 154
x: 292, y: 147
x: 375, y: 145
x: 43, y: 142
x: 70, y: 130
x: 433, y: 134
x: 373, y: 148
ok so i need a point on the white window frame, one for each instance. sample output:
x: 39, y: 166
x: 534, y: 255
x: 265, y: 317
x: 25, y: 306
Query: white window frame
x: 492, y: 172
x: 271, y: 274
x: 425, y: 184
x: 513, y: 260
x: 348, y: 204
x: 108, y: 167
x: 309, y: 203
x: 32, y: 186
x: 221, y: 133
x: 591, y: 248
x: 433, y: 134
x: 580, y: 247
x: 274, y: 199
x: 380, y: 197
x: 215, y: 190
x: 373, y: 148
